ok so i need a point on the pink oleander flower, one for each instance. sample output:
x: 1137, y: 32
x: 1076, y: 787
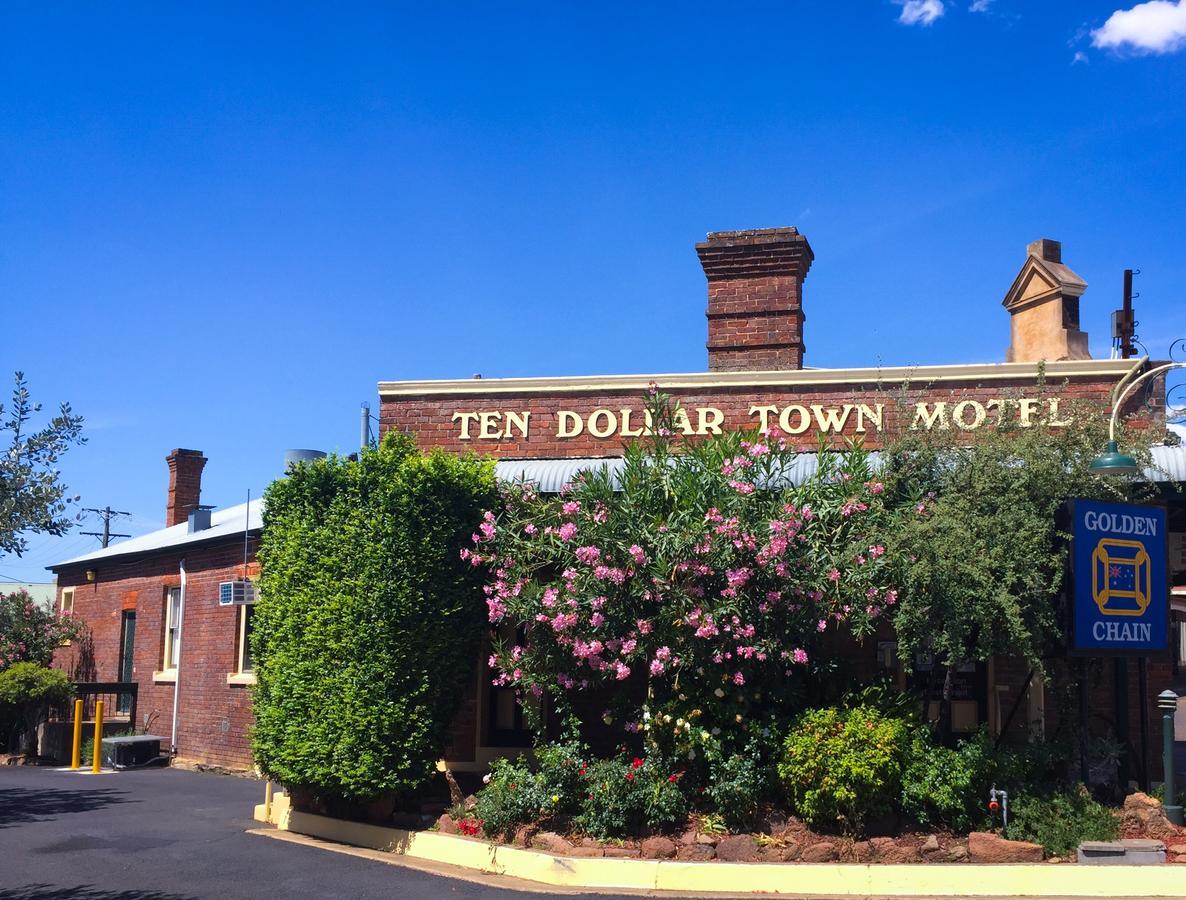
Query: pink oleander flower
x: 621, y: 671
x: 876, y: 550
x: 530, y: 528
x: 567, y: 531
x: 628, y: 647
x: 496, y: 609
x: 663, y: 653
x: 876, y: 487
x: 834, y: 575
x: 597, y: 620
x: 571, y: 507
x: 759, y: 450
x: 644, y: 626
x: 891, y: 597
x: 821, y: 625
x: 637, y: 553
x: 657, y: 668
x: 738, y: 679
x: 800, y: 656
x: 588, y: 555
x: 550, y: 597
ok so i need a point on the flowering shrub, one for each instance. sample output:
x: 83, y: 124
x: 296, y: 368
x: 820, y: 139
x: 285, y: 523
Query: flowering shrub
x: 843, y: 767
x: 701, y: 585
x: 31, y: 633
x: 626, y: 795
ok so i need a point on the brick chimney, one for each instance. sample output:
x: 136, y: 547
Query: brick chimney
x: 755, y: 298
x: 185, y: 484
x: 1043, y: 304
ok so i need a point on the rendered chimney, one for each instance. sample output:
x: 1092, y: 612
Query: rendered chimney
x: 755, y: 298
x: 1043, y: 303
x: 185, y: 484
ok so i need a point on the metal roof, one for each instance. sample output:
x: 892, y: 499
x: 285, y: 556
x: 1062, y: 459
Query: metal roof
x: 223, y: 523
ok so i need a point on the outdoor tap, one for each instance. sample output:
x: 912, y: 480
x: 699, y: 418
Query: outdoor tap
x: 998, y: 801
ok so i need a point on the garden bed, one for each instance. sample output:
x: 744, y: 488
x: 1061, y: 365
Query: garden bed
x: 783, y: 839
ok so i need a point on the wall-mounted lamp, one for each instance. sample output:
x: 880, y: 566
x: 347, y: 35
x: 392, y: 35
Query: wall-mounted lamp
x: 90, y: 574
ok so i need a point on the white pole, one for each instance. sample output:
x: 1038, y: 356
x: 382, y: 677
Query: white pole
x: 177, y: 662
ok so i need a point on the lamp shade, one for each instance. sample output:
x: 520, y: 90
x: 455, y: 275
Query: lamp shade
x: 1113, y: 462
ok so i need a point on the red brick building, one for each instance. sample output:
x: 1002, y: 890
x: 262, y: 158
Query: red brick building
x: 152, y: 606
x: 547, y: 429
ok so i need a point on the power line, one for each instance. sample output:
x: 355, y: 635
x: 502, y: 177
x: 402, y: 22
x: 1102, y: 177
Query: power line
x: 107, y: 514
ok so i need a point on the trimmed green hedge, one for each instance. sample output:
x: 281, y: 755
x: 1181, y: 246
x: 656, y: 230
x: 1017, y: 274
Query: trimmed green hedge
x: 368, y: 622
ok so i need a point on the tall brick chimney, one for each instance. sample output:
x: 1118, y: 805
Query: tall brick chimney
x: 755, y: 298
x: 185, y: 484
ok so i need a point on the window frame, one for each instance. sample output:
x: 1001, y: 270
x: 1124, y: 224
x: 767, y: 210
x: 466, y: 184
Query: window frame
x: 64, y: 608
x: 245, y: 612
x: 168, y: 653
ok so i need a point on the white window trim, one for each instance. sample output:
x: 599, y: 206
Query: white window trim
x: 67, y: 608
x: 239, y: 676
x: 169, y: 665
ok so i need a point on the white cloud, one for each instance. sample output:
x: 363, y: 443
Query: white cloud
x: 920, y: 12
x: 1158, y: 26
x: 980, y: 5
x: 1079, y: 57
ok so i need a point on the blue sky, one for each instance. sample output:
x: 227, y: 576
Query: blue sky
x: 220, y: 228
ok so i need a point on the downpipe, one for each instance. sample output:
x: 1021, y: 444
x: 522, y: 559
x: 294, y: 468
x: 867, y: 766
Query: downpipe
x: 177, y: 662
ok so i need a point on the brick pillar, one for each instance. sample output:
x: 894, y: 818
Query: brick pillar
x: 755, y: 298
x: 185, y: 484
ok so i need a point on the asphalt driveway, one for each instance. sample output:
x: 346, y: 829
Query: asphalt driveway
x: 166, y: 834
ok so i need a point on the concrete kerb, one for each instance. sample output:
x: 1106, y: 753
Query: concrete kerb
x: 854, y: 880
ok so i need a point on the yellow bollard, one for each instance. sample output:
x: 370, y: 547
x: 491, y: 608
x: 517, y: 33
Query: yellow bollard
x: 75, y: 756
x: 268, y: 801
x: 95, y: 763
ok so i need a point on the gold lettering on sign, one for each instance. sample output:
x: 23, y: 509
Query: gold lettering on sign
x: 764, y: 412
x: 626, y: 430
x: 1055, y: 421
x: 793, y: 419
x: 873, y: 415
x: 568, y: 424
x: 491, y: 426
x: 601, y: 431
x: 710, y: 420
x: 927, y: 419
x: 467, y: 419
x: 978, y: 415
x: 784, y: 419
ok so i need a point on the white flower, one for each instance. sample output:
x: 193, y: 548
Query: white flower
x: 486, y: 778
x: 718, y: 693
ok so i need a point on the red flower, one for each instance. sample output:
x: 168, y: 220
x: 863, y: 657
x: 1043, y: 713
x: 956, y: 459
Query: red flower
x: 582, y: 771
x: 673, y: 778
x: 629, y: 776
x: 636, y: 764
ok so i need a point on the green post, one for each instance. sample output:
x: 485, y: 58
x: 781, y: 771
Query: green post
x: 1167, y: 702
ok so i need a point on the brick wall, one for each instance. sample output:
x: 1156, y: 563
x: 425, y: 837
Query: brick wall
x: 430, y: 417
x: 213, y: 716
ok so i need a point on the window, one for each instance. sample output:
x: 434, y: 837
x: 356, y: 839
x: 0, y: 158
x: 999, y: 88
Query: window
x: 67, y: 601
x: 246, y: 654
x: 172, y: 649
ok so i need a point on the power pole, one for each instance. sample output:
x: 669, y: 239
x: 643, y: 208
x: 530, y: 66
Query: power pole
x: 105, y: 535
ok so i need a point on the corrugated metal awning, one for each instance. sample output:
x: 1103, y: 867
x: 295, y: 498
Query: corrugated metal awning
x: 549, y: 475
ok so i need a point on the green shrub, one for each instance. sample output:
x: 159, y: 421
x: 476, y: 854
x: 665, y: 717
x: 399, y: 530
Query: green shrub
x: 29, y: 690
x: 512, y: 797
x: 1062, y: 821
x: 738, y: 786
x: 369, y: 620
x: 558, y: 772
x: 945, y: 787
x: 624, y: 797
x: 843, y: 767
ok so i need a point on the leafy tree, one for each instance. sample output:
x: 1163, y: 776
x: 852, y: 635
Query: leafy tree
x: 368, y: 622
x: 33, y: 498
x: 31, y: 689
x: 982, y: 540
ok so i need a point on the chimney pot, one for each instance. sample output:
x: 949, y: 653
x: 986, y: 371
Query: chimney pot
x: 755, y: 308
x: 185, y: 484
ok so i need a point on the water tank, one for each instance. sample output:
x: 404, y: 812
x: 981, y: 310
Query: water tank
x: 299, y: 456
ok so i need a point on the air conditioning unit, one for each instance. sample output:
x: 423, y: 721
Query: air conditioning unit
x: 236, y: 593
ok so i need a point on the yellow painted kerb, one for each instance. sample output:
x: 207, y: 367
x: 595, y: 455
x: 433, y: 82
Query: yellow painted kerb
x: 828, y: 879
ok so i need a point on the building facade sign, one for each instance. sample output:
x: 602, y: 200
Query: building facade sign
x: 1119, y: 586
